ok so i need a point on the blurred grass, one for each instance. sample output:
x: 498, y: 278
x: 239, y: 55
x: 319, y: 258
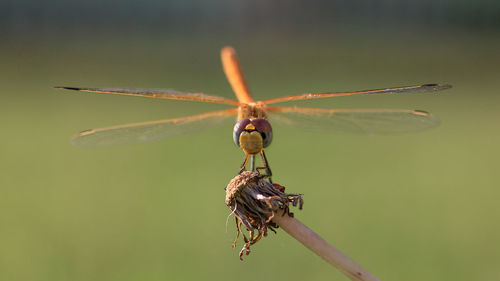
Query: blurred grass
x: 410, y: 207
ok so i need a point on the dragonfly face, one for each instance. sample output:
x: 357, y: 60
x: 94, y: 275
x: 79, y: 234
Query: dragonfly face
x: 252, y: 135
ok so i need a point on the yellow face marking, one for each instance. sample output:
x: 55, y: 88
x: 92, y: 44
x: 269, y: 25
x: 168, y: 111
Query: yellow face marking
x: 251, y: 142
x: 250, y: 127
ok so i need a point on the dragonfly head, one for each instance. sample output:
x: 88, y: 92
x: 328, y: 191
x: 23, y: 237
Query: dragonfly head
x: 252, y: 135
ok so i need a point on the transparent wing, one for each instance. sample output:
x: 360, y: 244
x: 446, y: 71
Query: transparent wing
x: 398, y: 90
x: 156, y: 93
x: 366, y: 121
x: 150, y: 131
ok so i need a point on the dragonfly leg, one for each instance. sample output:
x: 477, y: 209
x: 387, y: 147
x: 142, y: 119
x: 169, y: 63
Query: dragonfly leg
x: 244, y: 165
x: 266, y: 166
x: 252, y: 163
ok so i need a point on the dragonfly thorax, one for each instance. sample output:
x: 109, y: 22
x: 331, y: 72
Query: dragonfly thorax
x: 252, y: 110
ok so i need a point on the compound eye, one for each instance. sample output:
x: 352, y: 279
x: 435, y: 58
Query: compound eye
x: 238, y: 128
x: 264, y: 128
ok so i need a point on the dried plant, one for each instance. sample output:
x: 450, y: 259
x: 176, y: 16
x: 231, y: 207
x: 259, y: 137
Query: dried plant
x: 259, y: 205
x: 254, y: 202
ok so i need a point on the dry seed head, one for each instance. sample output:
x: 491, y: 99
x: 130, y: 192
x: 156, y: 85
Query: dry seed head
x: 254, y: 202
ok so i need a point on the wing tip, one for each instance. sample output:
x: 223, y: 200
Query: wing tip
x: 86, y: 133
x: 66, y: 88
x: 438, y: 87
x: 427, y: 116
x: 75, y: 140
x: 421, y: 113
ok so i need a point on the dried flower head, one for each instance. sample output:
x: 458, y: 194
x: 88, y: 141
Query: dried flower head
x: 254, y: 202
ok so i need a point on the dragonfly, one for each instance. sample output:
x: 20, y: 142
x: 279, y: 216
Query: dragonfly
x: 252, y: 131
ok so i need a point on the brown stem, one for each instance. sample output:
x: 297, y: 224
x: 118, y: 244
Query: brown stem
x: 321, y: 248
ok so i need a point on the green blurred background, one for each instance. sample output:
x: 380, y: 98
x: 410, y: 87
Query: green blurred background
x: 420, y: 206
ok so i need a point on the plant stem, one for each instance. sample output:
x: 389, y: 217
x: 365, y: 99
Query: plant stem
x: 321, y: 248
